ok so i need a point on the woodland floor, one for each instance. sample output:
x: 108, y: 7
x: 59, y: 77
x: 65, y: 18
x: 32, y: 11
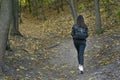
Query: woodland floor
x: 47, y: 54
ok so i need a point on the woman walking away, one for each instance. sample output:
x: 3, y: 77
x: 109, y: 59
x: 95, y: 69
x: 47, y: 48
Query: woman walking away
x: 79, y: 34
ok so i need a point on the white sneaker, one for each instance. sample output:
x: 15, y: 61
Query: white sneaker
x: 81, y: 69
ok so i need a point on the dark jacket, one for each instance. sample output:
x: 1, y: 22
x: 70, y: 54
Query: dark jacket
x: 73, y: 31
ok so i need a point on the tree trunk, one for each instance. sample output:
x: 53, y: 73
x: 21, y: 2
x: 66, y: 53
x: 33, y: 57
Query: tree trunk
x: 15, y: 20
x: 73, y: 10
x: 35, y: 8
x: 108, y: 8
x: 5, y: 16
x: 42, y: 10
x: 29, y: 5
x: 98, y: 17
x: 59, y: 5
x: 20, y: 11
x: 8, y: 45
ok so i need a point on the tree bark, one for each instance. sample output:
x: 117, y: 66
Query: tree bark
x: 73, y: 10
x: 15, y: 18
x: 35, y: 8
x: 20, y: 12
x: 5, y: 16
x: 98, y: 16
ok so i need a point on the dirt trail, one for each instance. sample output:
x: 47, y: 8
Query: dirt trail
x: 62, y: 63
x: 102, y: 61
x: 67, y: 56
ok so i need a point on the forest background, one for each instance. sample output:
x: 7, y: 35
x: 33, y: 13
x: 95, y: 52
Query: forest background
x: 31, y: 29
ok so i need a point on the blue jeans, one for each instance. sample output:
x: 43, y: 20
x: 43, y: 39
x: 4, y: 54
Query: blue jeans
x: 80, y: 47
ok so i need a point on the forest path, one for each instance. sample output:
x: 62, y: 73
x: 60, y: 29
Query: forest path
x: 97, y: 49
x: 30, y: 60
x: 59, y: 62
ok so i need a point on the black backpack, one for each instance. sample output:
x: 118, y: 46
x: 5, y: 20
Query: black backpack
x: 81, y: 32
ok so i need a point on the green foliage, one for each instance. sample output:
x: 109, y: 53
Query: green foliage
x: 99, y: 31
x: 107, y: 1
x: 48, y: 2
x: 91, y: 78
x: 118, y: 13
x: 102, y: 9
x: 81, y: 6
x: 23, y: 2
x: 8, y: 78
x: 111, y: 1
x: 45, y: 2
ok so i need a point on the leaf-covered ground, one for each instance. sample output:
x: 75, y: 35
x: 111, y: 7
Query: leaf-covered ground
x: 46, y: 52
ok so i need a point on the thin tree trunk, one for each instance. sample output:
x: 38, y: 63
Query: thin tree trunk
x: 20, y: 15
x: 61, y: 5
x: 8, y: 45
x: 15, y: 20
x: 42, y: 10
x: 5, y: 16
x: 35, y: 7
x: 73, y: 10
x: 56, y: 3
x: 98, y: 16
x: 108, y: 8
x: 29, y: 5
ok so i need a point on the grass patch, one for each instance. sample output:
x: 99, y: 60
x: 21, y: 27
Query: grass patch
x: 99, y: 31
